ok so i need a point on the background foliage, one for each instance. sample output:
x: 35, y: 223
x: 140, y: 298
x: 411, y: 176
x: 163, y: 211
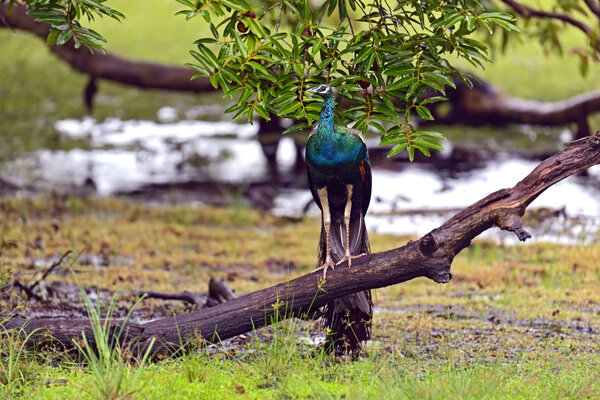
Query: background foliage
x: 390, y: 60
x: 382, y: 58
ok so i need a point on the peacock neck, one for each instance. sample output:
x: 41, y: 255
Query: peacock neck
x: 327, y: 118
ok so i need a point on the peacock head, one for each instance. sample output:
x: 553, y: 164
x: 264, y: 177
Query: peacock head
x: 323, y: 90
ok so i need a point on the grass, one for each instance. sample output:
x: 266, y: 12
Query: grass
x: 536, y: 376
x: 513, y: 323
x: 111, y: 376
x: 18, y: 368
x: 496, y: 321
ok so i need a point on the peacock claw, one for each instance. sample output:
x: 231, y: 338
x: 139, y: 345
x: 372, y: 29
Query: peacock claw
x: 349, y: 258
x: 327, y: 264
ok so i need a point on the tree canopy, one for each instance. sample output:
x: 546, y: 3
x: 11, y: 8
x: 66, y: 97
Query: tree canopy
x: 390, y: 59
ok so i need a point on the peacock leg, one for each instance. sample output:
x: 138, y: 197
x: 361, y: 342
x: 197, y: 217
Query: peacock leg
x: 347, y: 213
x: 327, y: 225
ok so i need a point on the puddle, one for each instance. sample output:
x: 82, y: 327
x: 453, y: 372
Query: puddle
x: 126, y: 156
x: 416, y: 200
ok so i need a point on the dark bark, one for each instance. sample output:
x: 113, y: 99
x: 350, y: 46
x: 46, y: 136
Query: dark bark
x: 218, y: 292
x: 431, y: 256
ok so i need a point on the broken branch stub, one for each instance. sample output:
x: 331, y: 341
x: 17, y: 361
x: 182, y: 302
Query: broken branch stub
x: 431, y: 256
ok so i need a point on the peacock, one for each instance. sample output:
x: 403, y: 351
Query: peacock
x: 339, y: 176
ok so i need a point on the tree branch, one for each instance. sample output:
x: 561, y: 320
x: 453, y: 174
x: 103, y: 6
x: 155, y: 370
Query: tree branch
x: 594, y: 7
x: 430, y: 256
x: 106, y: 66
x: 528, y: 12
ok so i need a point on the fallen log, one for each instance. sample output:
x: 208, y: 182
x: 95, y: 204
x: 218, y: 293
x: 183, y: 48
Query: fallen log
x: 431, y: 256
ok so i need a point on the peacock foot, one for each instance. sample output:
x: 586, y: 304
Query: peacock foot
x: 327, y: 264
x: 349, y: 258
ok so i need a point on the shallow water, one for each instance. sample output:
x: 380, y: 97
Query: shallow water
x: 407, y: 198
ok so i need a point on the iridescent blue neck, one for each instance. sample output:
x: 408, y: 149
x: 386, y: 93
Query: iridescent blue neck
x: 327, y: 118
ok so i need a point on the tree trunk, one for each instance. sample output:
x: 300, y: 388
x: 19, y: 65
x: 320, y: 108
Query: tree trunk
x: 431, y: 256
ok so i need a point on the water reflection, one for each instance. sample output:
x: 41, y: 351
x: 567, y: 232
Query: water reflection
x: 413, y: 199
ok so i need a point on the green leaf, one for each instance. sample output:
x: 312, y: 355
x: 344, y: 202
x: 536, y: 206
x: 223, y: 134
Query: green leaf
x: 404, y: 82
x: 434, y: 84
x: 499, y: 15
x: 260, y: 110
x: 262, y: 70
x: 214, y: 31
x: 232, y: 76
x: 240, y: 44
x: 505, y: 24
x: 235, y: 5
x: 208, y: 55
x: 52, y: 37
x: 256, y: 27
x: 433, y: 134
x: 296, y: 128
x: 187, y: 3
x: 433, y: 99
x: 206, y: 15
x: 366, y: 52
x: 378, y: 126
x: 422, y: 148
x: 424, y: 112
x: 440, y: 78
x: 214, y: 80
x: 411, y: 153
x: 452, y: 20
x: 306, y: 11
x: 202, y: 60
x: 64, y: 37
x: 290, y: 108
x: 316, y: 46
x: 397, y: 149
x: 390, y: 139
x: 429, y: 143
x: 400, y: 70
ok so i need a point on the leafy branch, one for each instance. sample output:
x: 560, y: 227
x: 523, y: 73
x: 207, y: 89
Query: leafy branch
x: 383, y: 59
x: 64, y: 16
x: 389, y: 60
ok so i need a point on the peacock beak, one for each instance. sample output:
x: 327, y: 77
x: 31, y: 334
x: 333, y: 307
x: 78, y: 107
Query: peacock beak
x: 313, y: 89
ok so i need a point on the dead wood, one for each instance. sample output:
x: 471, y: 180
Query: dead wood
x: 50, y: 269
x: 431, y: 256
x: 29, y: 290
x: 218, y: 292
x: 195, y: 299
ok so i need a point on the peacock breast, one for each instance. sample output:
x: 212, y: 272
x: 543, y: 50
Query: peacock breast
x: 334, y: 151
